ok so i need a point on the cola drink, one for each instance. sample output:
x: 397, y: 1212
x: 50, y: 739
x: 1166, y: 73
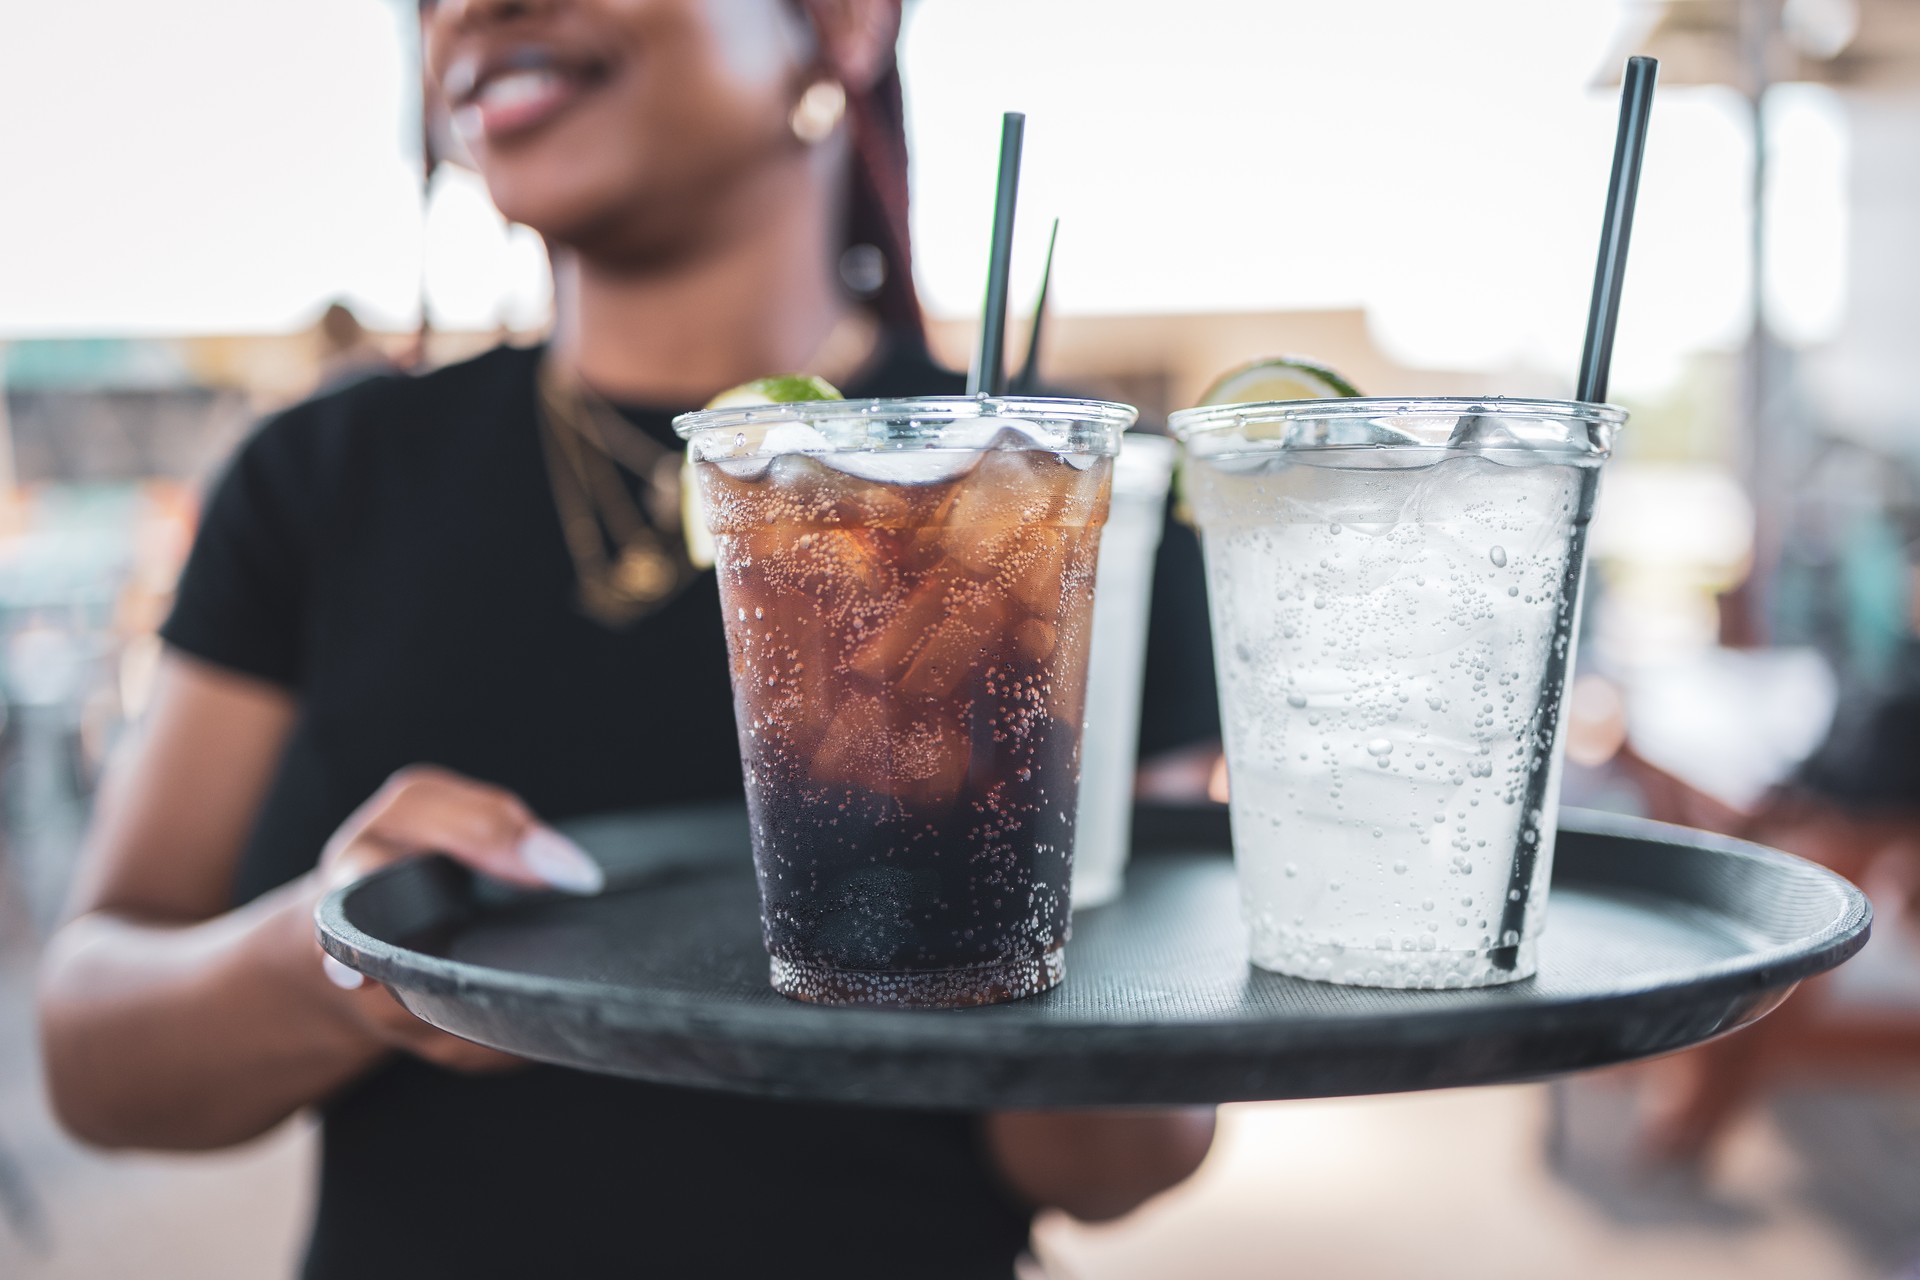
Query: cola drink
x: 908, y: 630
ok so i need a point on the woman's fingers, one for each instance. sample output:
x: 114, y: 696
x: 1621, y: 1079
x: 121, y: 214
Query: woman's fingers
x: 424, y: 809
x: 557, y: 861
x: 431, y: 810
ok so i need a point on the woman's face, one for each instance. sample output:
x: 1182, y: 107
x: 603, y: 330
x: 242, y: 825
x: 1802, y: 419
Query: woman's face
x: 618, y: 125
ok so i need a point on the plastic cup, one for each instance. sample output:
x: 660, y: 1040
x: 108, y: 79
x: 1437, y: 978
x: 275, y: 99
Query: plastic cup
x: 1395, y: 594
x: 907, y: 588
x: 1122, y: 598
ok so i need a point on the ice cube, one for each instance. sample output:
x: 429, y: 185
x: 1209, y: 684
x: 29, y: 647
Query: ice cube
x: 905, y: 466
x: 1019, y: 433
x: 744, y: 468
x: 1066, y: 669
x: 853, y: 747
x: 1038, y: 587
x: 793, y: 437
x: 1508, y: 431
x: 871, y: 746
x: 843, y: 568
x: 982, y: 551
x: 958, y: 645
x: 885, y: 653
x: 1036, y: 639
x: 927, y: 761
x: 1246, y: 464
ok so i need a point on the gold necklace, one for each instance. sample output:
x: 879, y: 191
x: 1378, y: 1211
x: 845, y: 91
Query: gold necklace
x: 628, y: 560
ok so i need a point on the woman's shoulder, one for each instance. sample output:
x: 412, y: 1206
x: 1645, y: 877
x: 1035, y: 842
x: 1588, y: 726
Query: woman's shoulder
x: 402, y: 402
x: 310, y: 456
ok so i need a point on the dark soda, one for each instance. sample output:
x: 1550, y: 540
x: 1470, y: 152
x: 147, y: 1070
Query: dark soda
x: 908, y: 639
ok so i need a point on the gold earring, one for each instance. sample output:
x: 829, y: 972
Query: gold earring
x: 818, y: 112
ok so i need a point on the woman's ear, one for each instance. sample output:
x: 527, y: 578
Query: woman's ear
x: 856, y: 38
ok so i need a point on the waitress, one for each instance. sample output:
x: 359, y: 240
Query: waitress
x: 443, y: 612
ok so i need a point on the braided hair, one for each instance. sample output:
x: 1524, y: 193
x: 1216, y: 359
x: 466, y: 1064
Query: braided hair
x: 876, y: 207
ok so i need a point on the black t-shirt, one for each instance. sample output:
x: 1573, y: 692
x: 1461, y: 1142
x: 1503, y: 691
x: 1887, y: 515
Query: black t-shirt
x: 391, y: 554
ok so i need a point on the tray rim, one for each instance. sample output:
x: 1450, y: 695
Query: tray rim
x: 789, y: 1024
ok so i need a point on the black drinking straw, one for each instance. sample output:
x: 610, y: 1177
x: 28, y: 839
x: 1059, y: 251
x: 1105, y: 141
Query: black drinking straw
x: 1028, y: 378
x: 1629, y: 145
x: 989, y: 374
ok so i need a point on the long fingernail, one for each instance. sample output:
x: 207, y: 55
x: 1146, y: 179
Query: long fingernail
x: 560, y: 862
x: 339, y: 975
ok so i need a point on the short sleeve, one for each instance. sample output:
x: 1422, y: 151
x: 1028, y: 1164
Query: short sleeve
x: 243, y: 598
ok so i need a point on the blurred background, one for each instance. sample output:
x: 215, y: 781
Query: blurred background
x: 213, y: 209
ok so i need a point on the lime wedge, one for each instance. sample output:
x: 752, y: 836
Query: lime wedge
x: 701, y: 550
x: 784, y: 388
x: 1274, y: 378
x: 1278, y: 378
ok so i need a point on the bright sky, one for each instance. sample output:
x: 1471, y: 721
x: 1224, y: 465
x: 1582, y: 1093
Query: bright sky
x: 213, y: 167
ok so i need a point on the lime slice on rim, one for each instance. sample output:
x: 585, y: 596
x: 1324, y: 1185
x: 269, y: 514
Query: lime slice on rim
x: 1277, y: 378
x: 1273, y: 378
x: 783, y: 388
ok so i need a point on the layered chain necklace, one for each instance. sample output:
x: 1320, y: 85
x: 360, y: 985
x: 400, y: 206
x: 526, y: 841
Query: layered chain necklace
x: 632, y: 555
x: 629, y: 554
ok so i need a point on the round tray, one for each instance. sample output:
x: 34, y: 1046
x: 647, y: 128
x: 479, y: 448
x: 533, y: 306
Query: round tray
x: 1658, y: 937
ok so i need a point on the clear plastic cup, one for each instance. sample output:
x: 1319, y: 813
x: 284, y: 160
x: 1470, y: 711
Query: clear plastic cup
x: 1395, y: 593
x: 1121, y: 603
x: 907, y: 588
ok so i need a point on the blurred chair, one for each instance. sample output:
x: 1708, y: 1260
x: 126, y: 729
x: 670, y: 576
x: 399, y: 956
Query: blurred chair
x: 1853, y: 805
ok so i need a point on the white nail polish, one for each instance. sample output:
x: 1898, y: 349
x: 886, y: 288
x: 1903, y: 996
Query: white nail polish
x: 560, y: 862
x: 340, y: 976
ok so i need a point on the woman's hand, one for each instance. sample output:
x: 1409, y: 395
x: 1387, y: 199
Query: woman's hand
x: 429, y: 810
x: 1097, y: 1165
x: 171, y: 1018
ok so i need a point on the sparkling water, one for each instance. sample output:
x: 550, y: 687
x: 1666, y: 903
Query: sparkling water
x: 1392, y: 631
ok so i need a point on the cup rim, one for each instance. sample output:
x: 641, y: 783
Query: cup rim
x: 931, y: 410
x: 1202, y: 419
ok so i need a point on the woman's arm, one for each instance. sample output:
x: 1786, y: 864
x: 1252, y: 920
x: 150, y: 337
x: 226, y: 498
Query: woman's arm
x: 1097, y: 1165
x: 168, y: 1020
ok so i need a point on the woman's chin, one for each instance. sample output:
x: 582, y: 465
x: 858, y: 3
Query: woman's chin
x: 555, y: 201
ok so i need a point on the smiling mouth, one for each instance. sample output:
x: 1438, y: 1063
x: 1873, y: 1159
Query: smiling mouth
x: 519, y: 93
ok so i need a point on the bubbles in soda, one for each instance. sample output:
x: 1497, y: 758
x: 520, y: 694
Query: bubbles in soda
x: 908, y: 637
x: 1391, y: 644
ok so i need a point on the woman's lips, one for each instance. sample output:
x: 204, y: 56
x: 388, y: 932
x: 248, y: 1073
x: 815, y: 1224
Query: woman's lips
x: 518, y: 101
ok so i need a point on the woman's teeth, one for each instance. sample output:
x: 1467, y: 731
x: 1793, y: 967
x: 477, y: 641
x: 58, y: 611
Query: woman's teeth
x: 517, y: 89
x: 518, y: 100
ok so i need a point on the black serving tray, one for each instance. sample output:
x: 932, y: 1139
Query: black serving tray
x: 1657, y: 938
